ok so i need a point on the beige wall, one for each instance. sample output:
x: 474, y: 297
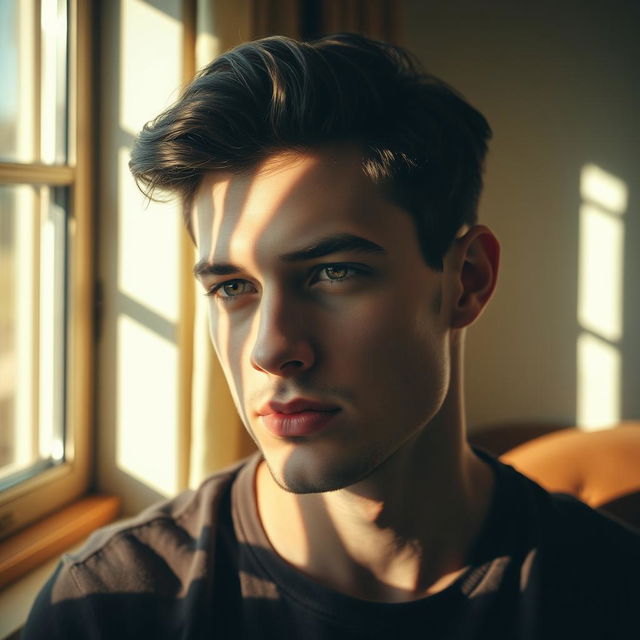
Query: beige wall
x: 560, y: 84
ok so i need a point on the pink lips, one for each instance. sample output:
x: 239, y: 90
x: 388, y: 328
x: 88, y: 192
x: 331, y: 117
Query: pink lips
x: 297, y: 418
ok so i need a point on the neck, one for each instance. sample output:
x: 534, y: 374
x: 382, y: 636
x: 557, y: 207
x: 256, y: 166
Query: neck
x: 402, y: 533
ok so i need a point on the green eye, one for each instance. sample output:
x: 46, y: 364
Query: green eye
x: 336, y: 272
x: 231, y: 289
x: 234, y: 288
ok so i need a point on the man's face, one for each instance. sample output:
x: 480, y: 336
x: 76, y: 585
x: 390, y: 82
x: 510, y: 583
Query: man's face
x: 326, y: 319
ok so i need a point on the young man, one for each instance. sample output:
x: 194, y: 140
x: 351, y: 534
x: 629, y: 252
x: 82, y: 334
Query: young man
x: 331, y: 190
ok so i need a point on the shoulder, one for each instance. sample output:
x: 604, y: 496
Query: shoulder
x: 572, y: 517
x: 162, y: 540
x: 593, y: 551
x: 566, y: 534
x: 580, y: 567
x: 560, y: 521
x: 142, y: 564
x: 577, y: 568
x: 559, y: 518
x: 586, y: 574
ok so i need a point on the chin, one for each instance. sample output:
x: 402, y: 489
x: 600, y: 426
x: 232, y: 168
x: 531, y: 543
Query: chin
x: 301, y: 473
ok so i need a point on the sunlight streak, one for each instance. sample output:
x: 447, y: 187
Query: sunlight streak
x: 600, y: 298
x: 147, y: 247
x: 601, y: 188
x: 147, y: 437
x: 149, y: 67
x: 599, y: 366
x: 601, y: 265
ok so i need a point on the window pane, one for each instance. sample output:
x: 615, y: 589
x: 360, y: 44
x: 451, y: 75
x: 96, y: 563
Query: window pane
x: 34, y: 87
x: 53, y: 21
x: 18, y: 131
x: 32, y: 330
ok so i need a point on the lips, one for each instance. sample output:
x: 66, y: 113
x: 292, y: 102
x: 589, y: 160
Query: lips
x: 297, y: 418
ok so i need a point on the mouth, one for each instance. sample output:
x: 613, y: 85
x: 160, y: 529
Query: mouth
x: 297, y: 418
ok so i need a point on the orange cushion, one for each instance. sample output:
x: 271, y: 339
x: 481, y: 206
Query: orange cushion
x: 597, y: 467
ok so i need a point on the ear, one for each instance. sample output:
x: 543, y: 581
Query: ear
x: 471, y: 265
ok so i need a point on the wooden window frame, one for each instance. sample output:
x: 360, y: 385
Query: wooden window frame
x: 54, y: 488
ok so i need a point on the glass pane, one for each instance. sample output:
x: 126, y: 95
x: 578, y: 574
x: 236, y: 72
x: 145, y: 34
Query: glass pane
x: 53, y: 20
x: 18, y: 131
x: 32, y: 330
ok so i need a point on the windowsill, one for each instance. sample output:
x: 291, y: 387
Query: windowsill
x: 30, y: 556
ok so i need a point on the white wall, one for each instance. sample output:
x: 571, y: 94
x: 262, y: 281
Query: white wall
x: 560, y: 84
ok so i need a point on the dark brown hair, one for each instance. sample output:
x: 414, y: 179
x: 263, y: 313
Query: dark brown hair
x: 421, y: 141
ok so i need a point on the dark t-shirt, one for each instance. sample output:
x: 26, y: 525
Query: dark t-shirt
x: 200, y: 566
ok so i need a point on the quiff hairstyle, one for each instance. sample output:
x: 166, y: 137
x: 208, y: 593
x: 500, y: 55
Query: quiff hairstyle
x: 421, y: 142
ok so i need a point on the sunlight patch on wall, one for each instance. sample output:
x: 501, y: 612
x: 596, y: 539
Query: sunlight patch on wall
x: 147, y: 247
x: 146, y: 426
x: 600, y: 287
x: 603, y: 189
x: 207, y: 44
x: 600, y: 298
x: 150, y: 62
x: 599, y: 366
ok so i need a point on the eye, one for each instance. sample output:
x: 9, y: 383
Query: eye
x: 336, y: 273
x: 231, y: 289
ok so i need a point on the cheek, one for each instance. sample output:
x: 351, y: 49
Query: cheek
x: 390, y: 352
x: 231, y: 347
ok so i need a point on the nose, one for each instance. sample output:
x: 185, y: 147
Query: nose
x: 282, y: 346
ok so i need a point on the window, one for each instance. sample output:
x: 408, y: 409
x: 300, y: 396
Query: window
x: 45, y: 257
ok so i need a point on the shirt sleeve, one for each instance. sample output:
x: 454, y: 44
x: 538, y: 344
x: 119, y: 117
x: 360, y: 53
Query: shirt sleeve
x: 60, y: 611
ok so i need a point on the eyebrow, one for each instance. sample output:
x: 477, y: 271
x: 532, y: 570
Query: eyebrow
x: 323, y: 247
x: 334, y: 244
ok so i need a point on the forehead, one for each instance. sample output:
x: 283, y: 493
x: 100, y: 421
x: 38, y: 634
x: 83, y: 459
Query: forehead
x: 287, y: 201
